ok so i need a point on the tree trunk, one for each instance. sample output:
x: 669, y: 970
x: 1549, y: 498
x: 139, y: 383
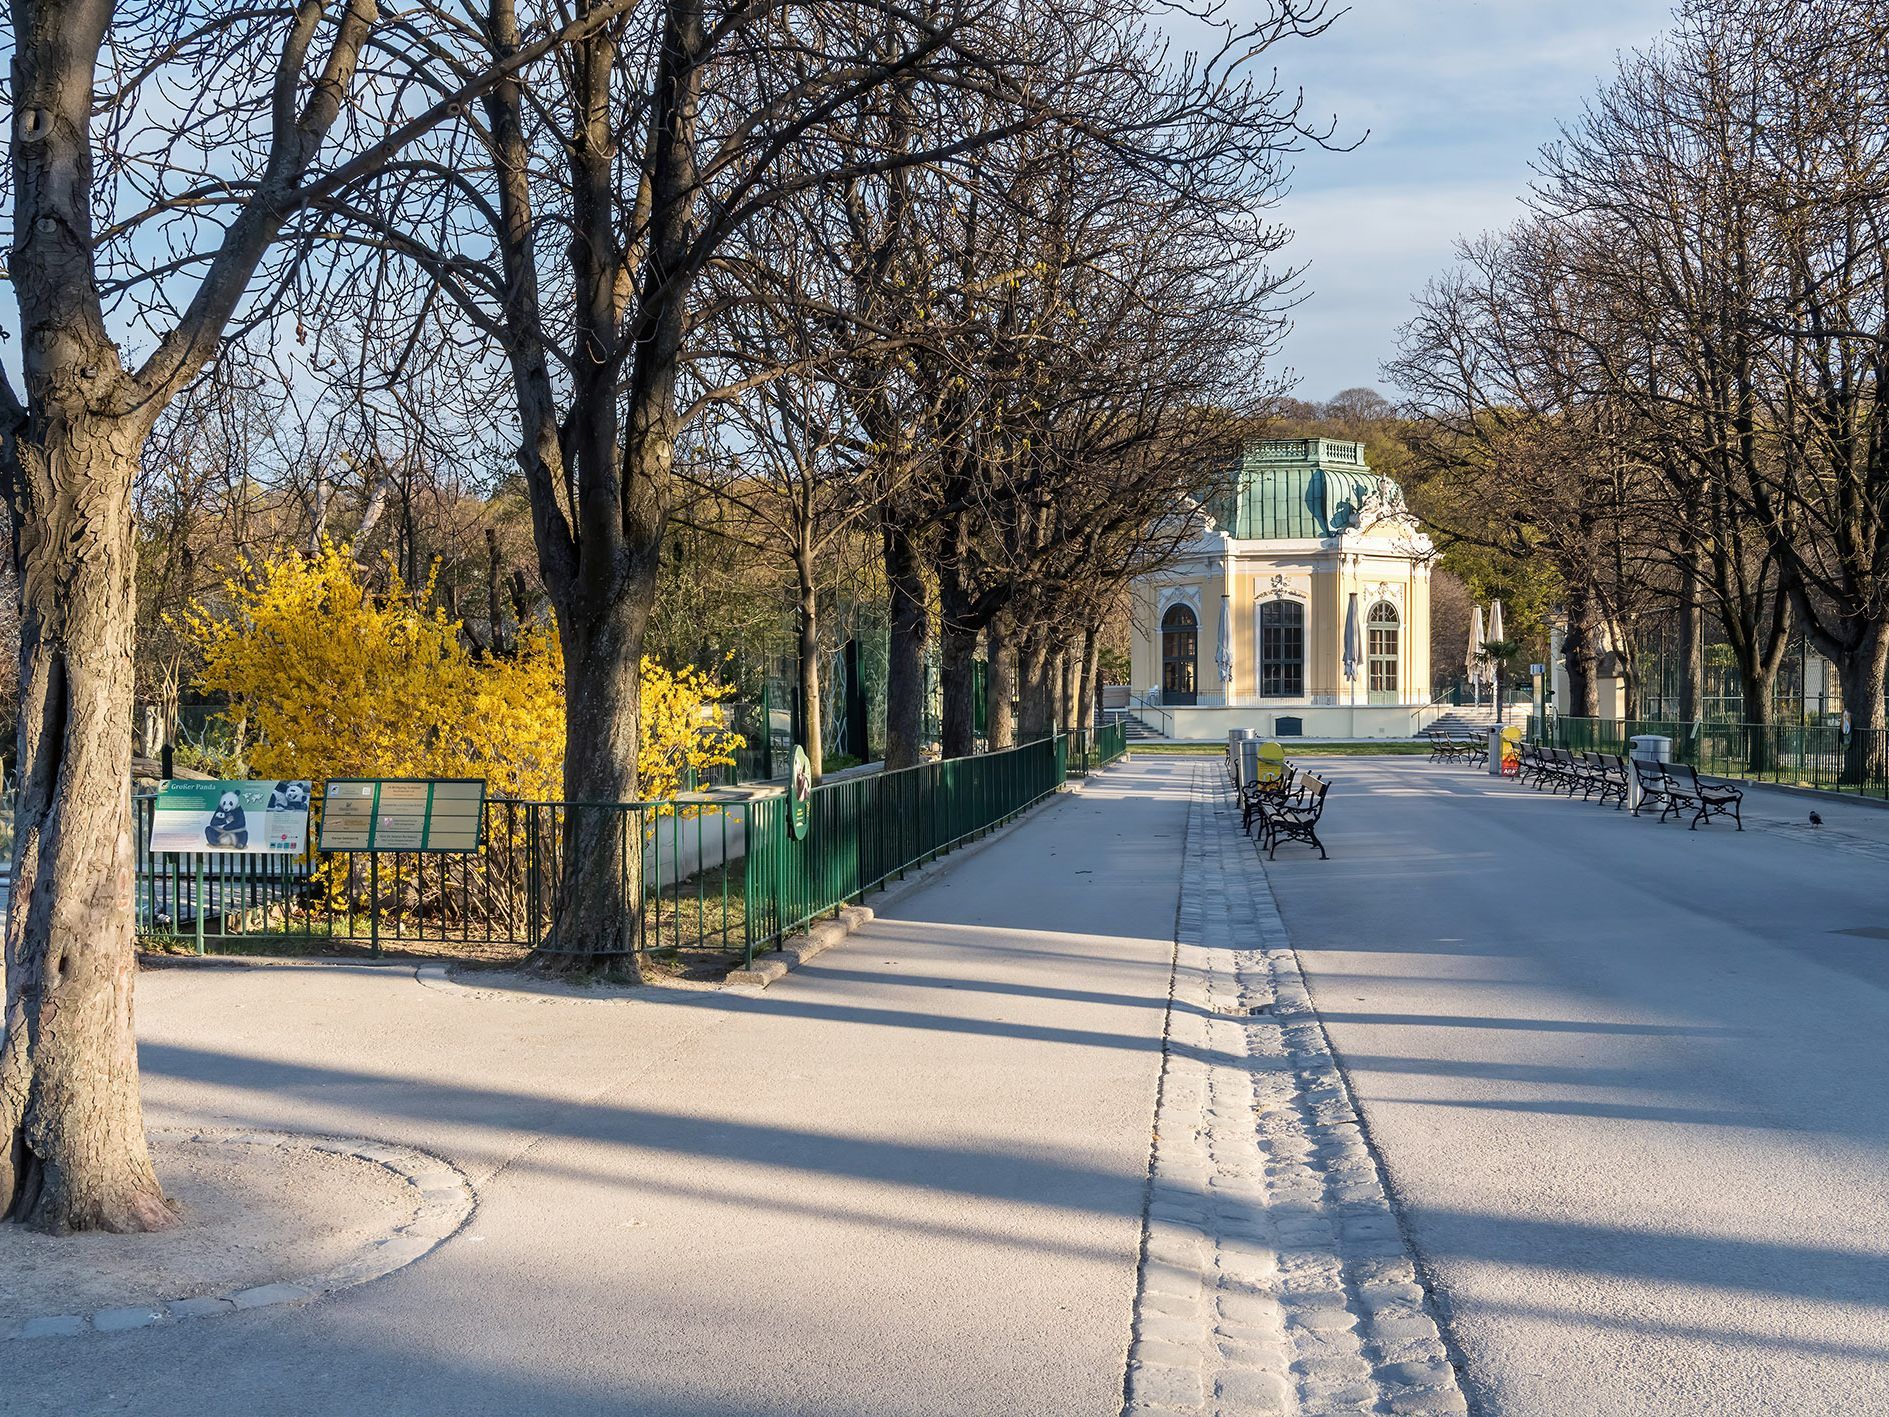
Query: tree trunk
x: 958, y: 669
x: 1691, y: 654
x: 1861, y: 672
x: 905, y: 663
x: 1577, y: 652
x: 1756, y: 683
x: 1070, y: 697
x: 1000, y: 687
x: 1036, y: 687
x: 600, y: 881
x: 1089, y: 686
x: 72, y: 1150
x: 812, y: 730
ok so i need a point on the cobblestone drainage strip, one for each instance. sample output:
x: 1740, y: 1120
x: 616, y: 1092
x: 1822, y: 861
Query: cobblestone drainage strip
x: 441, y: 1200
x: 1275, y: 1276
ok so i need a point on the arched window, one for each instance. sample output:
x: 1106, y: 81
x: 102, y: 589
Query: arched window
x: 1381, y: 652
x: 1180, y: 655
x: 1282, y: 649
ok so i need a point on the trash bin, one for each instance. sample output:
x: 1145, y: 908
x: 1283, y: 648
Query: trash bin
x: 1654, y: 746
x: 1249, y: 760
x: 1236, y: 763
x: 1495, y: 751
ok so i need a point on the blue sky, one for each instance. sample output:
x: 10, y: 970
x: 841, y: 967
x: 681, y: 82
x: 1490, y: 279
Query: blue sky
x: 1458, y: 95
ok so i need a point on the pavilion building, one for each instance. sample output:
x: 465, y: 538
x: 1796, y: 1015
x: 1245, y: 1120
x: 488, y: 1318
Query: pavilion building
x: 1247, y: 628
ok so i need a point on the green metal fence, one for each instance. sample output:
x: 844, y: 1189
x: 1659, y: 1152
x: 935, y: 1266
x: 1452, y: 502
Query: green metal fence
x: 864, y: 831
x: 681, y: 858
x: 712, y: 874
x: 1093, y: 748
x: 1794, y: 755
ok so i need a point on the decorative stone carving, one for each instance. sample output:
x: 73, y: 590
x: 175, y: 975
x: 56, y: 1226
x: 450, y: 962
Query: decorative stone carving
x: 1188, y: 595
x: 1384, y: 502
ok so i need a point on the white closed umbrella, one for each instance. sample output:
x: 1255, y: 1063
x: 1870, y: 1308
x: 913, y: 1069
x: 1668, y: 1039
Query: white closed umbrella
x: 1473, y: 659
x: 1223, y: 657
x: 1352, y: 655
x: 1495, y: 633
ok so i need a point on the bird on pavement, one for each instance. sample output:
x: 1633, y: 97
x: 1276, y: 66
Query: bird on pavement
x: 1815, y: 820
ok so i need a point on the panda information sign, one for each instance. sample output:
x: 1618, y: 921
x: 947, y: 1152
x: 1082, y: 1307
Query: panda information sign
x: 402, y: 814
x: 247, y: 818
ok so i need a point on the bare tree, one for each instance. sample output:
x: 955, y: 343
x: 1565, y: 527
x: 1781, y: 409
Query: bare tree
x: 134, y: 212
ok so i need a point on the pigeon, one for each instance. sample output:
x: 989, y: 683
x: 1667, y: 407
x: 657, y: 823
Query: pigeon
x: 1815, y: 820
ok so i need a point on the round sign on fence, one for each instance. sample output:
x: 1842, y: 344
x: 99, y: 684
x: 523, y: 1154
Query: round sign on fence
x: 800, y: 793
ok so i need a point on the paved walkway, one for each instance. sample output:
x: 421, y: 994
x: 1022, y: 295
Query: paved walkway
x: 1629, y: 1083
x: 909, y: 1178
x: 1063, y: 1132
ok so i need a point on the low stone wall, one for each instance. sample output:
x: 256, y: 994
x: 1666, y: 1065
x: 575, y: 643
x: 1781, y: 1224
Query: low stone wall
x: 1204, y: 724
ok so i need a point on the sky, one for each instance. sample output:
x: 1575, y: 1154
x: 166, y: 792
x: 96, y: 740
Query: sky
x: 1458, y: 96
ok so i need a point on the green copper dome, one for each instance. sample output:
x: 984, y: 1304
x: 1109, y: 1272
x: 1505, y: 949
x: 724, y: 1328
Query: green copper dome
x: 1299, y: 488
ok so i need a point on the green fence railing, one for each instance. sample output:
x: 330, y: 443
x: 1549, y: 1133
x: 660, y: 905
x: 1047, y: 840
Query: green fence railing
x: 863, y: 831
x: 1094, y: 748
x: 1794, y: 755
x: 677, y: 863
x: 711, y: 874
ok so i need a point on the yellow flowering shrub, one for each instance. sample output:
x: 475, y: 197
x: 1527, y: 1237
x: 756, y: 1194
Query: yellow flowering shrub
x: 333, y: 679
x: 685, y: 728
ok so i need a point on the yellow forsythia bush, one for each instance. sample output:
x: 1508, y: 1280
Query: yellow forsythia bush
x: 334, y: 679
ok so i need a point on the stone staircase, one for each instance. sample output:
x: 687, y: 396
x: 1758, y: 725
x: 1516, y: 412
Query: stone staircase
x: 1133, y: 729
x: 1469, y: 719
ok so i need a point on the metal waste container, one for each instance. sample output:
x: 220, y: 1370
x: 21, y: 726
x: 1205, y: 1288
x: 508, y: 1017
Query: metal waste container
x: 1236, y: 757
x: 1249, y: 760
x: 1653, y: 746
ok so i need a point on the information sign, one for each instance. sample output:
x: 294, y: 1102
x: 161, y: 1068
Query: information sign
x: 800, y: 794
x: 268, y: 818
x: 403, y: 814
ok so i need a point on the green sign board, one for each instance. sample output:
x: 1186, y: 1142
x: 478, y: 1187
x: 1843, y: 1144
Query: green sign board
x: 267, y: 818
x: 800, y: 793
x: 403, y: 814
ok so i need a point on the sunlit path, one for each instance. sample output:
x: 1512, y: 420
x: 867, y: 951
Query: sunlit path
x: 1627, y: 1080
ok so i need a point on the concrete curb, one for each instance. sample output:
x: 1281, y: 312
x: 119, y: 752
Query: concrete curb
x: 798, y: 949
x: 443, y: 1203
x: 825, y: 934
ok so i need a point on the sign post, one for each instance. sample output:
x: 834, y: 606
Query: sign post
x: 403, y: 814
x: 197, y: 816
x: 376, y: 814
x: 800, y: 794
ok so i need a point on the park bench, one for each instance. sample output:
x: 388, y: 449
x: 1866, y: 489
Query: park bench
x: 1448, y: 747
x: 1607, y: 777
x: 1587, y: 775
x: 1296, y: 818
x: 1531, y: 763
x: 1554, y: 769
x: 1651, y: 776
x: 1704, y: 797
x: 1256, y: 797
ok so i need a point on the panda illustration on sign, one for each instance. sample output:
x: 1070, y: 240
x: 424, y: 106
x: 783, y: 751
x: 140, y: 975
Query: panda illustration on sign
x: 289, y: 797
x: 229, y: 828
